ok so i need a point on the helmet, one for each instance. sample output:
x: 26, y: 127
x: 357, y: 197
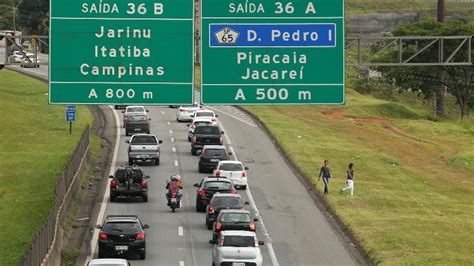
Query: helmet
x: 173, y: 178
x: 178, y: 177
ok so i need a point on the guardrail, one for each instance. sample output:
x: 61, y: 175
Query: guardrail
x: 41, y: 244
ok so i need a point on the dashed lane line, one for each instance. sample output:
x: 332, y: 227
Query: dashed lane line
x: 180, y: 231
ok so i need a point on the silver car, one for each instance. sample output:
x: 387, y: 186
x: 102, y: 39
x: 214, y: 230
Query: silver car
x: 185, y: 112
x: 237, y: 248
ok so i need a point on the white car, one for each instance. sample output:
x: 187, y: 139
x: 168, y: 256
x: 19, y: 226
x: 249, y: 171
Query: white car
x: 237, y: 248
x: 205, y: 113
x: 16, y: 57
x: 109, y: 262
x: 185, y: 112
x: 30, y: 60
x: 198, y: 121
x: 233, y: 170
x: 137, y: 109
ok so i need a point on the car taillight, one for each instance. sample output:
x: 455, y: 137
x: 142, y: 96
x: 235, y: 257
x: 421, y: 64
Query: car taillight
x: 252, y: 227
x: 244, y: 174
x: 214, y: 119
x: 103, y: 235
x: 211, y: 209
x: 218, y: 226
x: 193, y: 125
x: 182, y: 110
x: 140, y: 236
x: 144, y: 184
x: 218, y: 173
x: 113, y: 184
x: 202, y: 192
x: 194, y: 140
x: 221, y: 140
x: 157, y: 148
x: 233, y: 191
x: 221, y: 242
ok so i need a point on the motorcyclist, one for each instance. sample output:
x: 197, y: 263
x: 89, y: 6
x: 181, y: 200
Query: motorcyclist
x: 174, y: 185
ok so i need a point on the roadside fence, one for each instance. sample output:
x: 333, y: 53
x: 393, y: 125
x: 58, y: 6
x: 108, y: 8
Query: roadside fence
x: 42, y: 242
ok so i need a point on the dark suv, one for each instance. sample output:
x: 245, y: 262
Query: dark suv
x: 210, y: 186
x: 137, y: 123
x: 222, y: 201
x: 210, y: 157
x: 129, y: 182
x: 121, y: 235
x: 234, y: 220
x: 206, y: 135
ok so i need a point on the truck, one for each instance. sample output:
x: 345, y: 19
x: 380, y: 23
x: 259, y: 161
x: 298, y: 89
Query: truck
x: 129, y: 181
x: 143, y: 148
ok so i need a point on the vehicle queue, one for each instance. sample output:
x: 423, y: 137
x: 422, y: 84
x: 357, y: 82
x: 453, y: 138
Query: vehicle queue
x: 233, y: 227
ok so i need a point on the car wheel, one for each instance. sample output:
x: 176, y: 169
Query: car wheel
x: 112, y: 198
x: 193, y: 152
x: 200, y: 169
x: 145, y: 197
x: 244, y: 187
x: 142, y: 256
x: 157, y: 161
x: 101, y: 255
x: 126, y: 133
x: 209, y: 225
x: 148, y: 132
x: 200, y: 207
x: 189, y: 139
x: 130, y: 161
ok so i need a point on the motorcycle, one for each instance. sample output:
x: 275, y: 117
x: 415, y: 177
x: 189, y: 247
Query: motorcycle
x: 174, y: 202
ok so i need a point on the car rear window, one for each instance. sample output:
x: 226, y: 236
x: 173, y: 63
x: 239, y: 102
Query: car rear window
x: 207, y: 130
x: 121, y: 227
x: 231, y: 167
x: 235, y: 217
x: 202, y: 123
x: 226, y: 202
x: 135, y: 110
x: 215, y: 185
x: 239, y: 241
x: 137, y: 118
x: 144, y: 140
x: 214, y: 152
x: 206, y: 114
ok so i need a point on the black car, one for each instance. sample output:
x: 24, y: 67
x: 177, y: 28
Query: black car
x: 222, y: 201
x: 234, y: 220
x: 210, y: 157
x: 129, y: 182
x: 121, y: 235
x: 208, y: 187
x: 206, y: 135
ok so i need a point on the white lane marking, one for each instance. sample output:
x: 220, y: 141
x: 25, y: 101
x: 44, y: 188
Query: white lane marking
x: 269, y: 245
x: 175, y: 162
x: 103, y: 206
x: 171, y: 131
x: 172, y: 139
x: 162, y: 112
x: 169, y: 123
x: 174, y: 149
x: 233, y: 116
x: 181, y: 263
x: 180, y: 231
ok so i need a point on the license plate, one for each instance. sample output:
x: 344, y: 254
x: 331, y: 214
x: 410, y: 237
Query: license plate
x: 137, y: 129
x: 174, y: 200
x: 215, y: 160
x: 238, y: 264
x: 121, y: 248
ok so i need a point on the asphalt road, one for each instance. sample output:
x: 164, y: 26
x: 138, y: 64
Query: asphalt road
x: 42, y: 72
x: 293, y: 228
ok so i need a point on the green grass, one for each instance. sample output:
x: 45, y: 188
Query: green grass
x: 35, y: 145
x: 414, y: 182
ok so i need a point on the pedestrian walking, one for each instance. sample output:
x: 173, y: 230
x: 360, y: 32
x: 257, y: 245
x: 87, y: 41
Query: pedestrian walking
x: 325, y: 173
x: 350, y: 179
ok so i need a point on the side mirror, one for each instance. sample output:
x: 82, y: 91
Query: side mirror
x: 148, y: 110
x: 222, y: 132
x: 197, y: 185
x: 246, y: 203
x: 230, y: 153
x: 160, y: 141
x: 188, y: 125
x: 149, y: 118
x: 192, y: 115
x: 212, y: 241
x: 246, y: 168
x: 127, y: 141
x: 111, y: 176
x: 123, y: 112
x: 147, y: 177
x: 98, y: 226
x: 145, y: 226
x: 261, y: 243
x: 216, y: 115
x: 255, y: 219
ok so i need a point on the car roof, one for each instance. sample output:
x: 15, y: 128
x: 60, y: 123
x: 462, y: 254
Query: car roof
x: 217, y: 179
x: 223, y: 195
x: 237, y: 233
x: 203, y: 110
x: 214, y: 147
x: 229, y: 161
x: 108, y: 262
x: 202, y: 119
x: 235, y: 211
x: 143, y: 134
x: 121, y: 218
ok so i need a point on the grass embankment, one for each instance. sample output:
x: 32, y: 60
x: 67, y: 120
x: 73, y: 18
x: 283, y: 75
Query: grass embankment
x: 414, y: 182
x: 35, y: 146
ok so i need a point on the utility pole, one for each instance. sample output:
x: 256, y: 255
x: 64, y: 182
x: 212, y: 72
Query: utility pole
x: 440, y: 90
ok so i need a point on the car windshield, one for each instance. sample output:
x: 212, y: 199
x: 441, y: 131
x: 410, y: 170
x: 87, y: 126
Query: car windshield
x: 207, y: 114
x: 207, y: 130
x: 218, y: 185
x: 135, y: 110
x: 239, y: 241
x: 137, y: 118
x: 231, y: 167
x: 144, y: 140
x: 235, y: 218
x: 214, y: 152
x: 227, y: 202
x: 121, y: 227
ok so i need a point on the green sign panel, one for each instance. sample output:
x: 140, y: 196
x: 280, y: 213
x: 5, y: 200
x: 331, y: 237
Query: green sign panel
x: 272, y: 52
x: 121, y: 52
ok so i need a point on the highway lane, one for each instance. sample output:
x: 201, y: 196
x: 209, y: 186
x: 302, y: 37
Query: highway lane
x: 297, y: 231
x: 42, y: 72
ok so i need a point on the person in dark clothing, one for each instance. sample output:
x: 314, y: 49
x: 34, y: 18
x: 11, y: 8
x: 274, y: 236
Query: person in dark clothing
x: 325, y: 172
x: 350, y: 180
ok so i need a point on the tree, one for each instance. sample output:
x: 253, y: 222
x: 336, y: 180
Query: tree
x: 31, y: 16
x: 458, y: 79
